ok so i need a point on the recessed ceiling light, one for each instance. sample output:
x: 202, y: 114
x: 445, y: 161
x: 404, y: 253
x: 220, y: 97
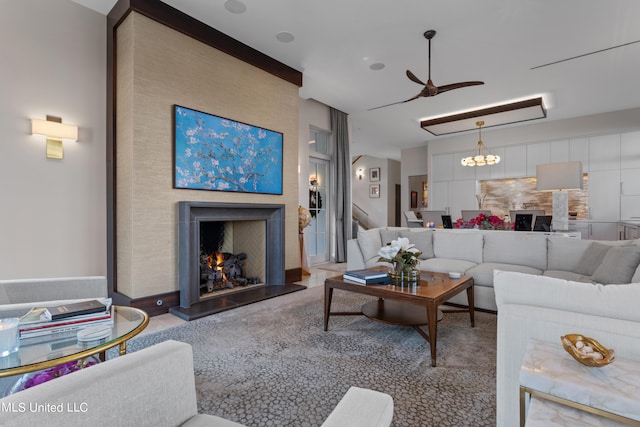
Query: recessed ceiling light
x: 235, y: 6
x: 377, y: 66
x: 285, y: 37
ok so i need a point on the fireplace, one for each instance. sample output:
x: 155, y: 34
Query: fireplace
x: 252, y: 232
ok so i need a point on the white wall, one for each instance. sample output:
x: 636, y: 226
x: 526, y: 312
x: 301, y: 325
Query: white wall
x: 52, y: 212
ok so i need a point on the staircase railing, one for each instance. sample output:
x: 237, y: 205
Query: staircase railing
x: 360, y: 215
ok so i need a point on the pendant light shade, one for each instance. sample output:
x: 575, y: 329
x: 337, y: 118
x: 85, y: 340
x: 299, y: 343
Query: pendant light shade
x: 480, y: 159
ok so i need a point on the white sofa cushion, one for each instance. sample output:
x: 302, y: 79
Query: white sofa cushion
x: 567, y: 275
x: 446, y: 265
x: 370, y: 243
x: 565, y: 254
x: 483, y: 273
x: 422, y: 238
x: 465, y: 245
x: 387, y: 235
x: 591, y: 259
x: 510, y: 247
x: 618, y: 265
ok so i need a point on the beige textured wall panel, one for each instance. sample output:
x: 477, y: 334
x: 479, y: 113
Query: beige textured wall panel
x: 124, y: 156
x: 170, y: 68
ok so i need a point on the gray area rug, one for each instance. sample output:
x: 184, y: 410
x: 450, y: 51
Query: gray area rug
x: 271, y: 363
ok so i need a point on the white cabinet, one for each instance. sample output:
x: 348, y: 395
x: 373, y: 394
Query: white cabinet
x: 579, y: 152
x: 604, y: 195
x: 493, y: 171
x: 463, y: 172
x: 515, y: 161
x: 604, y: 152
x: 630, y: 182
x: 580, y: 227
x: 439, y: 194
x: 442, y: 167
x: 630, y: 208
x: 595, y: 230
x: 462, y: 195
x: 603, y: 231
x: 537, y: 154
x: 630, y: 194
x: 630, y: 150
x: 559, y: 151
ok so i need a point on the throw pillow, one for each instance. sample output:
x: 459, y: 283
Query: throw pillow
x: 387, y: 235
x: 423, y: 241
x: 618, y: 265
x: 369, y: 241
x: 591, y: 259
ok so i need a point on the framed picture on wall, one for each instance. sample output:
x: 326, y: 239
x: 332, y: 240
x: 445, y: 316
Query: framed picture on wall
x: 220, y: 154
x: 374, y: 174
x: 414, y: 199
x: 374, y: 190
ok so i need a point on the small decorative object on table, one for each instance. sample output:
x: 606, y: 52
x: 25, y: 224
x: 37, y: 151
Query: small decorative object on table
x: 587, y: 351
x: 403, y: 257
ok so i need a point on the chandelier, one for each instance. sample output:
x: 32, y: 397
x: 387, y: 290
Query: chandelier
x: 480, y: 159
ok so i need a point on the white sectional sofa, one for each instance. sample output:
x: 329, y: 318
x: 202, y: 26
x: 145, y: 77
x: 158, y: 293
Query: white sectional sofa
x: 546, y: 308
x: 479, y: 253
x: 153, y: 387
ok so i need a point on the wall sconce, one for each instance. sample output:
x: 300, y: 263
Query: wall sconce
x: 360, y: 173
x: 55, y: 131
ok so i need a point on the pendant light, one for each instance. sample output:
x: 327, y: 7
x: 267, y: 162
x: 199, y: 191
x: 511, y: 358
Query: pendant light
x: 480, y: 159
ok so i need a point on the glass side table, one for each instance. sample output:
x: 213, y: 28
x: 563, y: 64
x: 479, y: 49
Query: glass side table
x: 40, y: 353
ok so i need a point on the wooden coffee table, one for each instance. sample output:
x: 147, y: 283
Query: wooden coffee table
x: 413, y: 306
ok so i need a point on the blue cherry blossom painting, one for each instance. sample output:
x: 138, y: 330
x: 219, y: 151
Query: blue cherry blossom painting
x: 214, y: 153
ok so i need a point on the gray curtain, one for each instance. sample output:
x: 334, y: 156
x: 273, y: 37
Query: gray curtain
x: 342, y: 169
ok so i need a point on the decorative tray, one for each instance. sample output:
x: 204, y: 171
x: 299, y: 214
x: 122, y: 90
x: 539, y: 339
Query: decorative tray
x: 586, y: 350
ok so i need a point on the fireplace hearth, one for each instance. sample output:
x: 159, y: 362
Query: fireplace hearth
x: 252, y: 232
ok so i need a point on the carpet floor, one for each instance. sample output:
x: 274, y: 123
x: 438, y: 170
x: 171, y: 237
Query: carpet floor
x: 272, y: 364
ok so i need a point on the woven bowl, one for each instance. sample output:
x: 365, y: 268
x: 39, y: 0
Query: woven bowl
x: 569, y: 343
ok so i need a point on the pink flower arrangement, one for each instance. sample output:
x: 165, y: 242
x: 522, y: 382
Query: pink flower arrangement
x: 484, y: 222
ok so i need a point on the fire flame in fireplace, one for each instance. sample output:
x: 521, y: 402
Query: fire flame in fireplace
x: 219, y: 264
x: 218, y: 257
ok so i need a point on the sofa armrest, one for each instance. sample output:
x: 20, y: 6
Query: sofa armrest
x: 361, y: 407
x: 20, y: 291
x: 153, y: 386
x: 355, y: 259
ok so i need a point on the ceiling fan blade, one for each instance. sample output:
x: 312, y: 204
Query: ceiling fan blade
x: 395, y: 103
x: 413, y: 78
x: 457, y: 86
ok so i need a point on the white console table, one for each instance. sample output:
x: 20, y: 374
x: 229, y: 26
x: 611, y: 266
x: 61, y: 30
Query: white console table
x: 549, y: 372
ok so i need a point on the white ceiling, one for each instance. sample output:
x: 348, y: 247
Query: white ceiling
x: 495, y: 41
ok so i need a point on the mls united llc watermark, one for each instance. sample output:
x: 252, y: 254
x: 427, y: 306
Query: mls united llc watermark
x: 22, y: 407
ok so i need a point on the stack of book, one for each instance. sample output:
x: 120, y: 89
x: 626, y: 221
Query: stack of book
x: 367, y: 276
x: 65, y: 319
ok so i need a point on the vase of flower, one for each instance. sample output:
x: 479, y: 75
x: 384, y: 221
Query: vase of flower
x: 403, y: 259
x: 404, y: 276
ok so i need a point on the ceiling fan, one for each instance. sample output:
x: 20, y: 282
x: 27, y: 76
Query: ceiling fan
x: 429, y: 88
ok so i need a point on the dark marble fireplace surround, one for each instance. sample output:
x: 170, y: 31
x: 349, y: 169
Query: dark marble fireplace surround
x: 190, y: 215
